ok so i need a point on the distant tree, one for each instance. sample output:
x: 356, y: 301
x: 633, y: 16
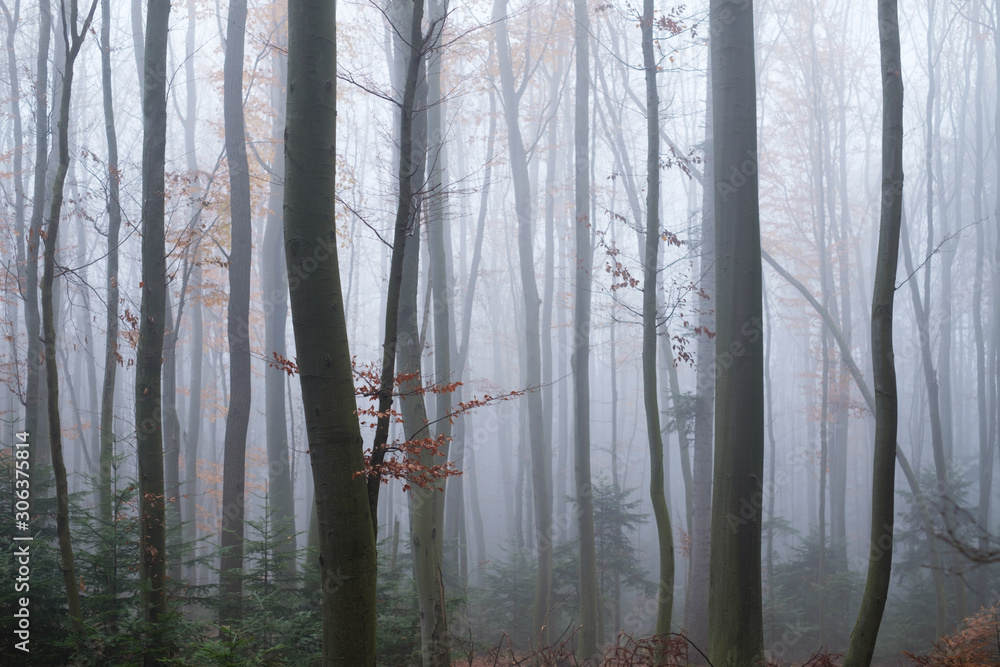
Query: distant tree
x: 580, y: 363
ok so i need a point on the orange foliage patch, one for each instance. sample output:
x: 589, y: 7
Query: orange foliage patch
x: 976, y: 644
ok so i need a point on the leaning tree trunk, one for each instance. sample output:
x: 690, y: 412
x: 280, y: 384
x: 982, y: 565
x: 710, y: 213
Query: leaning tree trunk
x: 149, y: 354
x: 661, y: 512
x: 238, y: 417
x: 404, y: 227
x: 735, y: 619
x: 862, y: 646
x: 347, y: 542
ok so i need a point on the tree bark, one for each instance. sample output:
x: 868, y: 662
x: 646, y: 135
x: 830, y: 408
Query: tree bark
x: 193, y: 433
x: 862, y: 645
x: 735, y: 619
x: 661, y: 511
x: 238, y: 416
x: 275, y: 285
x: 37, y: 428
x: 347, y: 542
x: 405, y: 226
x: 149, y: 355
x: 704, y: 416
x: 111, y: 355
x: 75, y: 42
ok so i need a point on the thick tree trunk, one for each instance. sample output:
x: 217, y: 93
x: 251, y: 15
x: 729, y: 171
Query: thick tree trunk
x: 149, y: 355
x: 661, y: 511
x: 735, y: 622
x: 862, y: 646
x: 347, y: 542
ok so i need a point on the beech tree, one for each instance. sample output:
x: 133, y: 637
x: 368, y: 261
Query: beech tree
x: 347, y: 541
x: 149, y: 353
x: 862, y: 646
x: 238, y: 320
x: 735, y: 622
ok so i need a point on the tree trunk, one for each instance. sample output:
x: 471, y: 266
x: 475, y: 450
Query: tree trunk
x: 34, y: 391
x: 275, y: 285
x: 405, y: 226
x: 701, y: 465
x: 49, y: 324
x: 347, y: 543
x: 735, y: 622
x: 238, y: 417
x: 111, y: 354
x: 149, y: 355
x: 661, y: 511
x: 190, y: 504
x: 171, y: 441
x: 541, y: 455
x: 580, y: 362
x: 862, y: 646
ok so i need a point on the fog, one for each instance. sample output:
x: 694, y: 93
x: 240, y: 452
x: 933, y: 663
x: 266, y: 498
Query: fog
x: 513, y: 512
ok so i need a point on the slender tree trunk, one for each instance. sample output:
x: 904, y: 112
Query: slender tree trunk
x: 541, y: 455
x: 862, y: 645
x: 405, y: 226
x: 149, y: 355
x: 75, y: 42
x: 275, y: 285
x: 735, y: 622
x: 439, y: 252
x: 426, y: 502
x: 580, y: 362
x: 17, y: 161
x: 238, y: 417
x: 37, y: 428
x: 661, y: 511
x: 171, y: 441
x: 193, y: 431
x: 347, y: 542
x: 701, y: 468
x: 111, y: 355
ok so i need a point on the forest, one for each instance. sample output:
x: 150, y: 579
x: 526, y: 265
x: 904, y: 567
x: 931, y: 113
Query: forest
x: 519, y: 332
